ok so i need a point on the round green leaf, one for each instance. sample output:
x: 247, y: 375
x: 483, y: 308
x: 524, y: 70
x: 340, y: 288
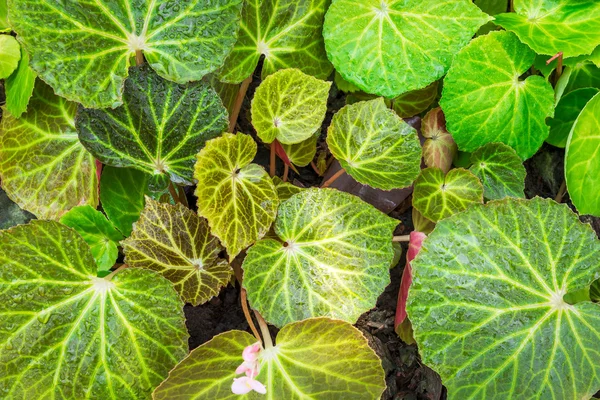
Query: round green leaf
x: 582, y: 166
x: 439, y: 149
x: 175, y: 242
x: 10, y: 54
x: 416, y: 101
x: 437, y: 196
x: 159, y: 128
x: 391, y: 47
x: 100, y: 234
x: 491, y: 7
x: 343, y: 84
x: 301, y: 154
x: 319, y: 358
x: 567, y: 110
x: 485, y: 100
x: 11, y: 214
x: 285, y: 190
x: 289, y: 106
x: 19, y: 87
x: 374, y: 145
x: 85, y: 48
x: 237, y: 198
x: 286, y: 32
x: 43, y: 166
x: 552, y: 26
x: 67, y: 334
x: 580, y: 75
x: 333, y: 259
x: 4, y: 25
x: 487, y: 307
x: 500, y: 170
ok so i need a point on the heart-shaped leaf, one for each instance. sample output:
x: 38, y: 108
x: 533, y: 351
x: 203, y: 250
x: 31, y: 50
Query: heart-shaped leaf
x: 485, y: 100
x: 289, y: 106
x: 567, y: 110
x: 68, y: 334
x: 236, y: 197
x: 100, y: 234
x: 439, y: 148
x: 391, y: 47
x: 416, y: 101
x: 11, y: 214
x: 500, y: 170
x: 318, y: 358
x: 19, y: 87
x: 553, y: 26
x: 301, y: 154
x: 582, y: 166
x: 286, y: 32
x: 333, y: 259
x: 175, y: 242
x: 486, y: 302
x: 85, y: 49
x: 159, y: 128
x: 10, y: 54
x: 44, y: 168
x: 437, y: 195
x: 374, y: 145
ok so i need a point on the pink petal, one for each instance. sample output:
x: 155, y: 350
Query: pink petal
x: 241, y: 385
x: 257, y: 386
x: 243, y: 368
x: 250, y: 353
x: 416, y: 241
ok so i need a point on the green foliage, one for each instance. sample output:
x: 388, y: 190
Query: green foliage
x: 491, y: 7
x: 580, y: 75
x: 485, y: 100
x: 10, y: 54
x: 285, y: 190
x: 416, y: 101
x: 439, y: 148
x: 500, y: 170
x: 289, y: 106
x: 159, y: 128
x: 86, y: 58
x: 374, y: 145
x: 19, y: 87
x: 486, y: 302
x: 391, y: 47
x: 301, y: 154
x: 4, y: 25
x: 567, y: 110
x: 11, y: 214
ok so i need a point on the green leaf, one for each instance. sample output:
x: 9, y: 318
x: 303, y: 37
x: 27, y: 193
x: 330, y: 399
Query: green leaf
x: 289, y: 106
x: 67, y: 334
x: 227, y: 92
x: 100, y: 234
x: 582, y: 167
x: 44, y: 168
x: 491, y: 7
x: 19, y: 87
x: 122, y: 196
x: 595, y: 291
x: 553, y: 26
x: 485, y: 100
x: 175, y: 242
x: 159, y: 128
x: 285, y: 190
x: 318, y: 358
x: 487, y: 306
x: 391, y: 47
x: 236, y: 197
x: 11, y: 214
x: 500, y: 170
x: 286, y: 32
x: 333, y: 259
x: 85, y: 48
x: 567, y: 110
x: 437, y: 196
x: 301, y: 154
x: 416, y: 101
x: 10, y: 54
x: 374, y: 145
x: 439, y: 148
x: 580, y: 75
x: 4, y: 25
x: 344, y: 85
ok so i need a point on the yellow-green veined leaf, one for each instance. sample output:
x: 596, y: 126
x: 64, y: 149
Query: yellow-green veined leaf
x: 582, y: 166
x: 227, y: 92
x: 416, y: 101
x: 289, y: 106
x: 487, y: 307
x: 4, y: 25
x: 10, y: 54
x: 237, y: 198
x: 122, y: 196
x: 374, y: 145
x: 437, y: 195
x: 391, y: 47
x: 439, y: 148
x: 285, y: 190
x: 580, y: 75
x: 286, y: 32
x: 85, y: 48
x: 159, y: 128
x: 67, y: 334
x: 332, y: 259
x: 595, y: 291
x: 552, y: 26
x: 567, y: 110
x: 500, y: 170
x: 176, y: 243
x: 318, y: 358
x: 98, y: 232
x: 344, y: 85
x: 11, y: 214
x: 421, y: 223
x: 44, y: 168
x: 301, y: 154
x: 19, y: 87
x: 485, y: 100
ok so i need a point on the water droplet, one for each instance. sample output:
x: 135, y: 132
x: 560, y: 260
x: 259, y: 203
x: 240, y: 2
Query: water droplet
x: 43, y: 317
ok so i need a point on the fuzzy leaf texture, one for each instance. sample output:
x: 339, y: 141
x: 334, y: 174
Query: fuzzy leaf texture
x: 500, y: 170
x: 439, y: 148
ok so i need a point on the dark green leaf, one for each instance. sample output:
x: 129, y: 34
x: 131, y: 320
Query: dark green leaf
x: 500, y: 170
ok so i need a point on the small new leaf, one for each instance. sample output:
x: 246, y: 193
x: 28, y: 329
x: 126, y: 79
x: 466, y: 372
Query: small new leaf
x: 439, y: 149
x: 10, y: 54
